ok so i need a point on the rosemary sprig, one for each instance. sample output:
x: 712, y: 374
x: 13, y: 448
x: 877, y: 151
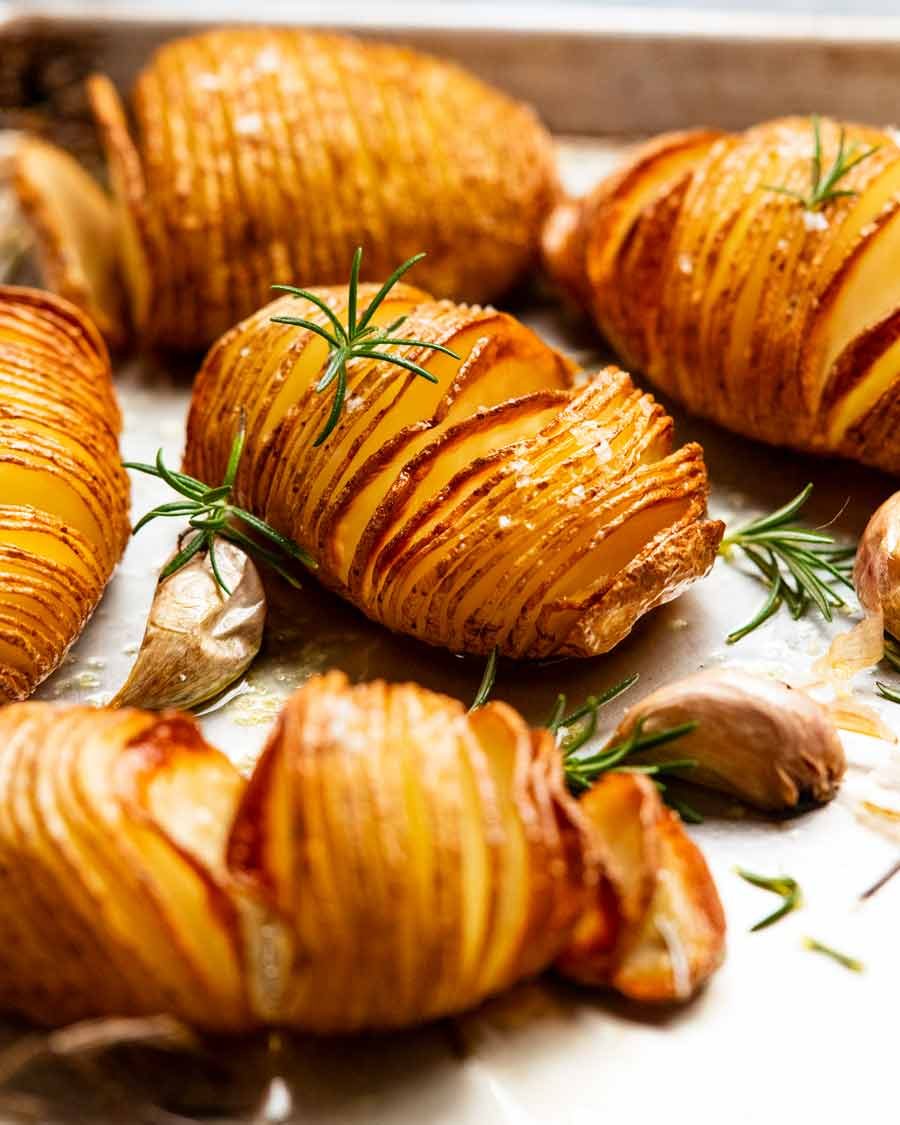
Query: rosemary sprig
x: 582, y: 771
x: 574, y: 730
x: 802, y: 567
x: 487, y: 682
x: 358, y: 338
x: 823, y: 183
x: 783, y: 885
x: 211, y: 514
x: 851, y: 963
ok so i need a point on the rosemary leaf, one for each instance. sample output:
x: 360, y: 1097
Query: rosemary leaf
x: 823, y: 184
x: 783, y: 885
x: 487, y: 682
x: 211, y: 514
x: 358, y: 339
x: 851, y: 963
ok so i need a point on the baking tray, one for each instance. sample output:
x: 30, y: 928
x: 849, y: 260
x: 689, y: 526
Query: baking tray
x: 777, y: 1034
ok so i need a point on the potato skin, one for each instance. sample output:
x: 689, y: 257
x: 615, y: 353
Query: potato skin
x: 392, y: 859
x: 63, y: 491
x: 731, y: 297
x: 267, y: 156
x: 504, y: 506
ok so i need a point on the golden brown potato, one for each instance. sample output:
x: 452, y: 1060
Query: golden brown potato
x: 502, y: 505
x: 63, y: 491
x: 778, y: 321
x: 266, y: 156
x: 391, y: 860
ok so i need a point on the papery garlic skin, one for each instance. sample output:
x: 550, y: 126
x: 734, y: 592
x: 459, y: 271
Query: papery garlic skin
x: 199, y: 639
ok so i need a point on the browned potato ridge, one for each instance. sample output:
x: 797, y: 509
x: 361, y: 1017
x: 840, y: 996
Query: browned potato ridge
x: 505, y: 505
x: 266, y: 156
x: 63, y: 491
x: 392, y: 859
x: 778, y: 323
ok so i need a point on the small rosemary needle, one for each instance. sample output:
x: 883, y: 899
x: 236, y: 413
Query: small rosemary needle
x: 358, y: 338
x: 487, y: 682
x: 783, y: 885
x: 823, y: 182
x: 851, y: 963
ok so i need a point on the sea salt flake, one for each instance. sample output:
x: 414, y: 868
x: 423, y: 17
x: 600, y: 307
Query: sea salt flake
x: 248, y: 123
x: 814, y: 220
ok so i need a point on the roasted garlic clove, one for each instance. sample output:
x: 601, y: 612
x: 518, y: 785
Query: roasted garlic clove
x: 199, y: 639
x: 768, y: 744
x: 500, y: 506
x: 63, y: 491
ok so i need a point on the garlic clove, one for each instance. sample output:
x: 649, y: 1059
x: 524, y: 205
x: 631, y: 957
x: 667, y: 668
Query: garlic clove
x: 759, y: 740
x: 198, y: 638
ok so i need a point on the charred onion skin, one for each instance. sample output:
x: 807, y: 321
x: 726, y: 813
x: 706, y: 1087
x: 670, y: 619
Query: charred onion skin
x: 63, y: 491
x: 266, y: 155
x: 504, y: 505
x: 779, y: 324
x: 392, y: 859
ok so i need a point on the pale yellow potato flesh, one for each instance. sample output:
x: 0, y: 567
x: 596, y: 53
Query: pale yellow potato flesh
x: 63, y: 491
x: 507, y: 504
x: 776, y: 321
x: 391, y: 860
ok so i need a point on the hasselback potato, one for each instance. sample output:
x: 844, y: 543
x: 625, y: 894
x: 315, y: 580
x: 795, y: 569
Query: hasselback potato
x: 392, y: 859
x: 504, y: 505
x: 746, y: 281
x: 63, y: 491
x: 267, y: 156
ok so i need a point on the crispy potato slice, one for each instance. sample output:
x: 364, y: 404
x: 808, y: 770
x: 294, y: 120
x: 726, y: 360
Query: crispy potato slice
x: 671, y: 925
x: 775, y: 321
x: 77, y: 233
x: 63, y: 491
x: 500, y: 505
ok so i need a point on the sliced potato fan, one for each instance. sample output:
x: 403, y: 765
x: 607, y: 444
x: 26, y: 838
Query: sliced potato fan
x: 265, y: 156
x: 503, y: 505
x: 392, y: 859
x: 63, y: 491
x: 780, y: 319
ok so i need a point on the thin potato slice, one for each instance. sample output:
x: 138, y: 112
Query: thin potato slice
x: 77, y: 233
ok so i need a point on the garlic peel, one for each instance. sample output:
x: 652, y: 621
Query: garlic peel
x: 198, y: 639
